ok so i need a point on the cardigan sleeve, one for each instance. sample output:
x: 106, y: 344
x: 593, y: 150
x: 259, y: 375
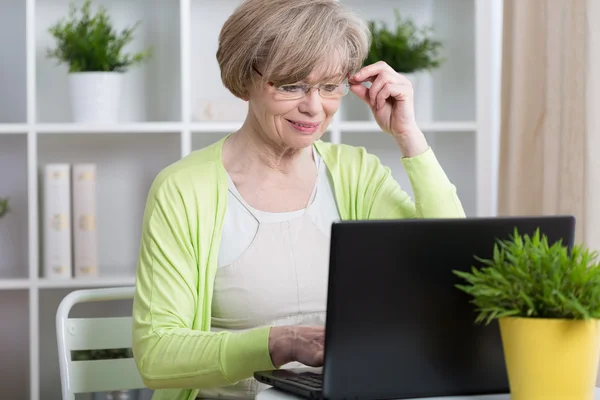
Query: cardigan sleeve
x: 434, y: 195
x: 170, y: 348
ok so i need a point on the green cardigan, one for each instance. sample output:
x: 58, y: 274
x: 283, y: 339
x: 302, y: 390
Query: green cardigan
x: 174, y: 348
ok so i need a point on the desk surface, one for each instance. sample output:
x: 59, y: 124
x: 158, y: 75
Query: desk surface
x: 275, y: 394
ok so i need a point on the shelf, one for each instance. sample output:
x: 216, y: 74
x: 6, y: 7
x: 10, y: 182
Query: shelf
x: 143, y: 127
x: 371, y: 126
x: 13, y: 129
x: 151, y: 91
x: 126, y: 166
x: 208, y: 127
x: 23, y: 284
x: 85, y: 283
x: 14, y: 284
x: 215, y: 127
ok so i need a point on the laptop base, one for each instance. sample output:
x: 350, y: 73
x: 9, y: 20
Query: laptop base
x: 304, y: 382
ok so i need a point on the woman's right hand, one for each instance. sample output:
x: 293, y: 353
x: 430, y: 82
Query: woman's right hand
x: 304, y: 344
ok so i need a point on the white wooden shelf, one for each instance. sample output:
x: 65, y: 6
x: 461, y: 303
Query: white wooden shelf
x: 168, y: 95
x: 13, y: 284
x: 85, y: 283
x: 214, y: 126
x: 75, y: 283
x: 371, y: 126
x: 209, y: 127
x: 12, y: 129
x: 143, y: 127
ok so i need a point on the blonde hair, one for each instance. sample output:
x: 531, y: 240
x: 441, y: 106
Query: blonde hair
x: 287, y: 40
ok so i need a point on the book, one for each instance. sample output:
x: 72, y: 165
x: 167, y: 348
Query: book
x: 85, y: 234
x: 57, y: 221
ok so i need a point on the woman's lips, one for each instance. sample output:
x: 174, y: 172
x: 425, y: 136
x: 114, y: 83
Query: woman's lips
x: 304, y: 126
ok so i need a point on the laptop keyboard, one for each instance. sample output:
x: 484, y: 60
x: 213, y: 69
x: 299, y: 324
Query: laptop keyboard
x: 309, y: 379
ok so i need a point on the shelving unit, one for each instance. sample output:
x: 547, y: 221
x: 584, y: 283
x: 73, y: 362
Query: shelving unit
x: 164, y: 119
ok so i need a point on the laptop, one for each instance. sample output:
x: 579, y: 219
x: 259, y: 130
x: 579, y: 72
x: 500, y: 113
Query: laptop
x: 396, y: 326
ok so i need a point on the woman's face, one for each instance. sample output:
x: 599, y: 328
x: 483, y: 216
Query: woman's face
x: 293, y: 123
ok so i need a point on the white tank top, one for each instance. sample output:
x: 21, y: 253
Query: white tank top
x: 273, y: 269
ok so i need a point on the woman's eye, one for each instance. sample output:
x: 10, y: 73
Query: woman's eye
x: 330, y: 88
x: 292, y: 88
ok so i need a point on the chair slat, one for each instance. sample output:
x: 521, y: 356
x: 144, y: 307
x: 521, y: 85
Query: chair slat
x: 99, y: 333
x: 104, y: 375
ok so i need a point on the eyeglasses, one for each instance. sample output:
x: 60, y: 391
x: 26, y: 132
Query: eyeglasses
x: 297, y: 91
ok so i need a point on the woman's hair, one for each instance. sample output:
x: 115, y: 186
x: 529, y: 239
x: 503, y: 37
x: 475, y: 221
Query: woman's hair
x: 287, y: 40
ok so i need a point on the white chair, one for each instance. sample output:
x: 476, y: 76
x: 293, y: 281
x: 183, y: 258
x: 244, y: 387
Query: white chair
x: 94, y: 334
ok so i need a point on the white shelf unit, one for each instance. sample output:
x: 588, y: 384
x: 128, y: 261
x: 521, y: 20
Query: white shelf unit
x: 162, y: 107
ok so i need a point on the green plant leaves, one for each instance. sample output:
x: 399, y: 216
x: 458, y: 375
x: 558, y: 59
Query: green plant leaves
x: 89, y: 43
x: 406, y: 49
x: 528, y: 277
x: 103, y: 354
x: 4, y: 209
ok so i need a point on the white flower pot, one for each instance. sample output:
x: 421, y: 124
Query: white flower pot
x: 95, y: 96
x: 422, y: 88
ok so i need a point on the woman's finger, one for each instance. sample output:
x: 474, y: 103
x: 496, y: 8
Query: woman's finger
x: 383, y: 95
x: 400, y: 91
x: 371, y: 71
x: 382, y: 79
x: 361, y: 91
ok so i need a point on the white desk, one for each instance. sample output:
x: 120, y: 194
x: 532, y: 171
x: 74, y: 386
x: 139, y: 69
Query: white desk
x: 274, y: 394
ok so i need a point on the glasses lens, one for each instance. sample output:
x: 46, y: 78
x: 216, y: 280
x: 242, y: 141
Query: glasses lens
x: 291, y: 91
x: 297, y: 91
x: 333, y: 91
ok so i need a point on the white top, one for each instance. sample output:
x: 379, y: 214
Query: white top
x: 273, y: 269
x: 240, y: 225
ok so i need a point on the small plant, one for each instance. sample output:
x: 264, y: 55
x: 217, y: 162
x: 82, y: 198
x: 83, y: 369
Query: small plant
x: 4, y: 209
x: 406, y: 49
x: 103, y: 354
x: 527, y: 277
x: 90, y: 43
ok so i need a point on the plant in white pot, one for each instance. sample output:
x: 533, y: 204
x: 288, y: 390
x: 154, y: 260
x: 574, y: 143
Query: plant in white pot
x: 94, y: 53
x: 546, y: 298
x: 410, y: 50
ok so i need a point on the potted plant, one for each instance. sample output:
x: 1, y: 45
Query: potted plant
x: 94, y: 53
x: 106, y: 354
x: 546, y: 298
x: 4, y: 207
x: 409, y: 50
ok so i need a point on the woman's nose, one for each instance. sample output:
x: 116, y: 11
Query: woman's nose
x: 311, y: 103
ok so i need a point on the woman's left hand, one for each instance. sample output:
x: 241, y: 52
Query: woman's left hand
x: 391, y: 100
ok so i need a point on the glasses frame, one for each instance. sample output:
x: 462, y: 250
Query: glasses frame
x: 318, y: 87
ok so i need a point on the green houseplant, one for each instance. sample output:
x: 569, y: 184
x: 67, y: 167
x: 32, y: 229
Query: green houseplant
x: 546, y: 298
x: 94, y: 52
x: 406, y: 47
x: 4, y: 209
x: 410, y: 50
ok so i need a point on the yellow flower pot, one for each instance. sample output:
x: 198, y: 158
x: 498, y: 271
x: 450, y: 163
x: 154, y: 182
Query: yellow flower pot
x: 549, y: 359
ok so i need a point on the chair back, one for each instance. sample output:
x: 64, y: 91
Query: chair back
x: 94, y: 334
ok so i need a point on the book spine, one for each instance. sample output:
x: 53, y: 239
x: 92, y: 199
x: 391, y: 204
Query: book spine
x: 85, y: 235
x: 57, y: 221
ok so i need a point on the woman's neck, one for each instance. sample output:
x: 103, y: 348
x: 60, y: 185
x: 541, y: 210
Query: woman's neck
x: 250, y: 150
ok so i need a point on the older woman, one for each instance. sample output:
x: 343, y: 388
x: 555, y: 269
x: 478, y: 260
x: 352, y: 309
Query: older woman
x: 233, y: 264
